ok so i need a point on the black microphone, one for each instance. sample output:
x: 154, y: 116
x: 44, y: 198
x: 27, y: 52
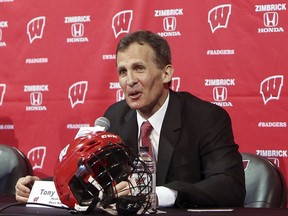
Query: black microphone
x: 102, y: 122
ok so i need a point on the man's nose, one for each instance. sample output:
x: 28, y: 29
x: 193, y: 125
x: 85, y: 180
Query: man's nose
x: 131, y: 78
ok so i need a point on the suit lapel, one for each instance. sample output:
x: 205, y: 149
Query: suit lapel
x: 168, y: 137
x: 129, y: 130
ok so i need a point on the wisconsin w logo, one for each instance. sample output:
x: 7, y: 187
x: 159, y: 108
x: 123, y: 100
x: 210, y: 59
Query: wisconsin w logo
x: 77, y: 93
x: 270, y: 88
x: 35, y: 28
x: 2, y: 92
x: 121, y: 22
x: 218, y: 17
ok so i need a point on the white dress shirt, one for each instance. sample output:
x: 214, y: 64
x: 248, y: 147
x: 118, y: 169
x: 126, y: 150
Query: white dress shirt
x: 166, y: 196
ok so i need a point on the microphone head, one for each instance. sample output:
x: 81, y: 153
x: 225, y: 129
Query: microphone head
x: 102, y: 122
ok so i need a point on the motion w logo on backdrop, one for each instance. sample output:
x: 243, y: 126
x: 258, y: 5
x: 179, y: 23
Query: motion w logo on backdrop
x: 121, y: 22
x: 270, y: 88
x: 218, y: 17
x: 37, y: 156
x: 35, y: 28
x: 77, y: 93
x: 2, y: 93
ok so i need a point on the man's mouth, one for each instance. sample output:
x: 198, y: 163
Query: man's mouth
x: 134, y: 94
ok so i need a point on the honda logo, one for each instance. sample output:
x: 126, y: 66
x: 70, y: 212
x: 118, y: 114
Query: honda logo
x: 270, y: 19
x: 169, y: 23
x: 220, y: 93
x: 121, y: 22
x: 218, y: 17
x: 77, y: 29
x: 36, y: 98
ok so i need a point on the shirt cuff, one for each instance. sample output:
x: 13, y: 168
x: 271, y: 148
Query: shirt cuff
x: 166, y: 196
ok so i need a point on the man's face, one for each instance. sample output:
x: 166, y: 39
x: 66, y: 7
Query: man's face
x: 142, y: 82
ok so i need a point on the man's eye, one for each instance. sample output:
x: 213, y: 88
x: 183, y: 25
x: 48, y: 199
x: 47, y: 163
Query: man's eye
x: 122, y: 72
x: 139, y: 68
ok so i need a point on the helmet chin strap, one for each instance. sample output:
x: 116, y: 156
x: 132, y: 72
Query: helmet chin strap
x: 130, y: 205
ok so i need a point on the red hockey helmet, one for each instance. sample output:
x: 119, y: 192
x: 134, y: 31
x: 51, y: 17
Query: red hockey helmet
x: 89, y: 168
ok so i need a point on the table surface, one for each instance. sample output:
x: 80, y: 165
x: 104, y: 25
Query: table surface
x: 21, y: 210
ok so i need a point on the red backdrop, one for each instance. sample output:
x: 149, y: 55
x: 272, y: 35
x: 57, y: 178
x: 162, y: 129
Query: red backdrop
x: 57, y: 67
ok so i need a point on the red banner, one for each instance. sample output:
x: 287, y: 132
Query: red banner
x: 58, y: 73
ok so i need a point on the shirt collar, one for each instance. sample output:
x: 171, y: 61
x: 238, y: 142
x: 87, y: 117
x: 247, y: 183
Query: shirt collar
x: 156, y: 119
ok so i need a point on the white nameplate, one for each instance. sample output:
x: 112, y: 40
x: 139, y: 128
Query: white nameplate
x: 44, y: 192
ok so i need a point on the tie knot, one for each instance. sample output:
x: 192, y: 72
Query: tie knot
x: 146, y: 128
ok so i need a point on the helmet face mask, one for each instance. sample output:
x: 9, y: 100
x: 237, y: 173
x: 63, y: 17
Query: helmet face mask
x: 90, y: 169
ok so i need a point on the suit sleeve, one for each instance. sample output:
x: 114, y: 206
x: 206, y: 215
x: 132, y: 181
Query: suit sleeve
x: 222, y: 183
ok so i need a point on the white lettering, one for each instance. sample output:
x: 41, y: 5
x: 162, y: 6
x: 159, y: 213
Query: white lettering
x: 168, y: 12
x: 78, y: 19
x: 2, y: 44
x: 36, y: 108
x: 220, y: 52
x: 272, y: 153
x: 109, y: 57
x: 77, y: 126
x: 219, y: 82
x: 169, y: 34
x: 270, y: 7
x: 223, y: 103
x: 3, y: 24
x: 77, y: 40
x: 36, y: 60
x: 272, y: 124
x: 31, y: 88
x: 6, y: 127
x: 270, y: 30
x: 108, y: 136
x: 114, y: 85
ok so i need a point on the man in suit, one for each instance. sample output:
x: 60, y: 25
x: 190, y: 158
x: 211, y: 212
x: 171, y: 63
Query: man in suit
x: 198, y: 163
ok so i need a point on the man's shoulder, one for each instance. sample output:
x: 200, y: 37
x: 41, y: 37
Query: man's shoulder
x: 194, y: 103
x: 118, y: 105
x: 117, y: 110
x: 189, y: 99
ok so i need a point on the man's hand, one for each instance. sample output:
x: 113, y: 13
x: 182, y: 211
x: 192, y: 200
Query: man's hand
x: 23, y: 187
x: 123, y: 188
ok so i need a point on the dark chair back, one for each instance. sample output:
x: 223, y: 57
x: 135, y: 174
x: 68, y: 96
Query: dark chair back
x: 13, y: 165
x: 265, y: 184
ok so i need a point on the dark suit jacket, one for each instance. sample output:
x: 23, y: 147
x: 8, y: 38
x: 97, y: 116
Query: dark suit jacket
x: 197, y: 153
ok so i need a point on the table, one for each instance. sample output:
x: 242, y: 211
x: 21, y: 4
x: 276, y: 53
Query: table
x: 23, y: 211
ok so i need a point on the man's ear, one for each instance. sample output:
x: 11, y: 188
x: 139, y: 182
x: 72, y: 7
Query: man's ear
x: 167, y: 73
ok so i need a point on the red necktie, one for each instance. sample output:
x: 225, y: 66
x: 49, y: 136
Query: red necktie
x: 146, y: 129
